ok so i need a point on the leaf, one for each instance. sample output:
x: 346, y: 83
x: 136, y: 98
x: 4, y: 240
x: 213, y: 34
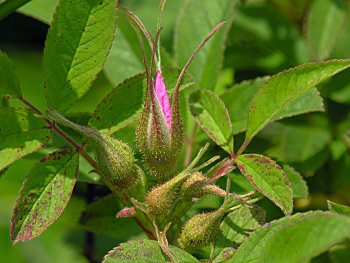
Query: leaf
x: 256, y: 34
x: 195, y: 21
x: 20, y: 134
x: 239, y: 224
x: 100, y: 217
x: 41, y: 10
x: 239, y: 97
x: 296, y: 143
x: 77, y: 45
x: 145, y: 251
x: 323, y: 30
x: 120, y: 106
x: 236, y: 227
x: 44, y: 195
x: 125, y: 58
x: 298, y: 184
x: 339, y: 253
x: 268, y: 178
x: 338, y: 208
x: 282, y: 89
x: 211, y: 114
x: 295, y: 239
x: 9, y: 82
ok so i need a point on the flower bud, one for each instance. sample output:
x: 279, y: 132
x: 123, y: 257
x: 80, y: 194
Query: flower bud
x: 115, y: 160
x: 161, y: 199
x: 159, y: 133
x: 200, y: 230
x: 126, y: 212
x: 198, y: 185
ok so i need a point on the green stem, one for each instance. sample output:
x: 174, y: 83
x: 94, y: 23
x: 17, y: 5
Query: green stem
x: 10, y: 6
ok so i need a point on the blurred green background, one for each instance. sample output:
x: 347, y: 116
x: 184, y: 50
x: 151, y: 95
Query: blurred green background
x: 267, y: 36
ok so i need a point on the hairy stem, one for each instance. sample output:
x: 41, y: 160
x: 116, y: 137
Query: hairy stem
x: 190, y: 144
x: 64, y: 135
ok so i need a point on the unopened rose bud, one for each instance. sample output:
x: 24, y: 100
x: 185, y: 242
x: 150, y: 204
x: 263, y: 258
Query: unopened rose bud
x: 162, y: 198
x: 160, y: 132
x: 198, y: 185
x: 200, y: 230
x: 115, y: 159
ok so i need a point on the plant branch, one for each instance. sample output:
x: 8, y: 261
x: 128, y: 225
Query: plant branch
x: 82, y: 151
x: 64, y: 135
x: 10, y: 6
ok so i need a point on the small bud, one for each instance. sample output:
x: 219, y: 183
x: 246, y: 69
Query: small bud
x: 198, y: 185
x: 115, y: 159
x: 161, y: 199
x: 160, y: 132
x: 126, y: 212
x: 200, y: 230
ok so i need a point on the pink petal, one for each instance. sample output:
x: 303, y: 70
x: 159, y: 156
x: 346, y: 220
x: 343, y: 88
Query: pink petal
x: 163, y: 98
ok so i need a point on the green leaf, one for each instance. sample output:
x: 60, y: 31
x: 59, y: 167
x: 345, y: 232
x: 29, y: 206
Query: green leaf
x: 41, y: 10
x: 195, y: 21
x: 125, y: 57
x: 121, y: 106
x: 77, y: 45
x: 20, y: 134
x: 295, y: 239
x: 100, y: 217
x: 296, y: 144
x: 8, y: 7
x: 323, y: 30
x: 238, y: 225
x: 9, y: 82
x: 284, y: 88
x: 339, y: 253
x: 44, y: 195
x: 211, y: 114
x: 145, y: 251
x: 298, y: 184
x: 338, y: 208
x: 239, y: 97
x: 268, y: 178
